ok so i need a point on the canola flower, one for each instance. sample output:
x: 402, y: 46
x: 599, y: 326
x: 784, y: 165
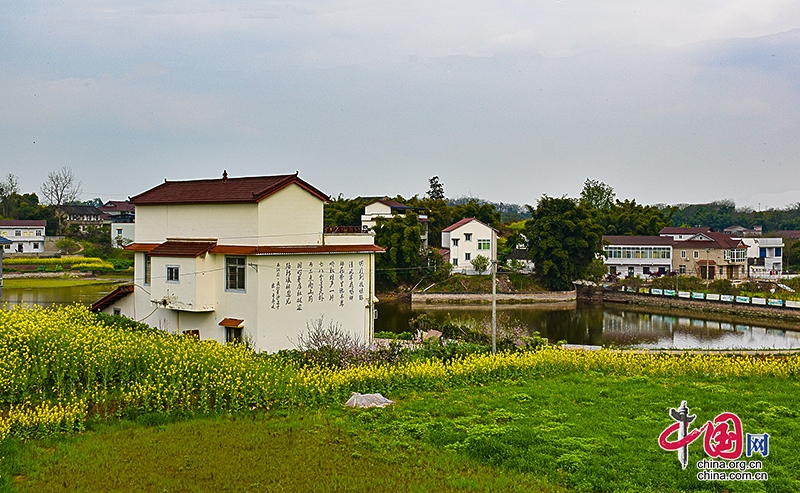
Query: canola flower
x: 62, y: 366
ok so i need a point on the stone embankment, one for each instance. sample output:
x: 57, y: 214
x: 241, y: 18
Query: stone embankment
x: 486, y: 298
x: 598, y: 294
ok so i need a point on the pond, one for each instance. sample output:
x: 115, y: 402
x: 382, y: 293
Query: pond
x: 613, y: 325
x: 602, y: 325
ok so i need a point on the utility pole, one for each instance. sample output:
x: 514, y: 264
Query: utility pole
x: 494, y: 306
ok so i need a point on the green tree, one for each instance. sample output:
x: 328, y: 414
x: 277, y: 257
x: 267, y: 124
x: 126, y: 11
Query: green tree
x: 597, y: 195
x: 436, y: 190
x: 564, y: 239
x: 484, y: 212
x: 632, y: 219
x: 402, y: 261
x: 344, y: 212
x: 480, y: 264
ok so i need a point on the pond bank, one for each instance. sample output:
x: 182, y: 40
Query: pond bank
x: 486, y: 298
x: 596, y: 295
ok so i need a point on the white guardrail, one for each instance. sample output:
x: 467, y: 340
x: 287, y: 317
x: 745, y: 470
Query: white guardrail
x: 727, y: 298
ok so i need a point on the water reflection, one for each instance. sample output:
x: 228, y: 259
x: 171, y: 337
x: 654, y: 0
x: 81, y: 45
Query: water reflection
x: 612, y: 325
x: 56, y: 296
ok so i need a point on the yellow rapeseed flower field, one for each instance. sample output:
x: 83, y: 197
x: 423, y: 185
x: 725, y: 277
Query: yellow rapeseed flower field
x: 61, y: 366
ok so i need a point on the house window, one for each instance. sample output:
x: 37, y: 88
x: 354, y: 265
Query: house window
x: 119, y: 231
x: 467, y: 236
x: 683, y: 253
x: 35, y: 246
x: 8, y: 247
x: 696, y: 254
x: 234, y: 273
x: 630, y: 271
x: 778, y: 251
x: 612, y: 269
x: 455, y: 242
x: 148, y: 266
x: 233, y: 334
x: 484, y: 244
x: 467, y: 256
x: 762, y: 252
x: 192, y: 334
x: 173, y: 273
x: 662, y: 271
x: 682, y: 269
x: 38, y: 232
x: 117, y: 312
x: 646, y: 271
x: 455, y: 260
x: 17, y: 233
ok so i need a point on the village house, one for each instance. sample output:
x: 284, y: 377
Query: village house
x: 82, y: 217
x: 27, y: 236
x: 245, y: 258
x: 764, y: 257
x: 120, y: 216
x: 681, y: 234
x: 644, y: 256
x: 710, y: 255
x: 465, y: 240
x: 385, y: 208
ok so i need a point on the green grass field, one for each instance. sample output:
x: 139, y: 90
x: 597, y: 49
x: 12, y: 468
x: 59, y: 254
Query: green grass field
x: 575, y: 432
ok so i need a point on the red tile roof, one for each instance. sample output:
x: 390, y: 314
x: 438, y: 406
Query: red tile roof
x: 24, y: 222
x: 222, y: 190
x: 182, y: 248
x: 140, y: 247
x: 638, y: 240
x: 294, y: 250
x: 112, y: 297
x: 458, y: 224
x: 117, y: 205
x: 718, y: 240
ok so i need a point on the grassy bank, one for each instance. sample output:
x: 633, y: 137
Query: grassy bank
x: 506, y: 283
x: 55, y: 282
x: 586, y: 421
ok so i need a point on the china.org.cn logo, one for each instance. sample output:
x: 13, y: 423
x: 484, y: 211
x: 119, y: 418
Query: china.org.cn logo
x: 723, y: 438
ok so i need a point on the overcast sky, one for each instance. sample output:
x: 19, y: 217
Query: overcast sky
x: 679, y: 101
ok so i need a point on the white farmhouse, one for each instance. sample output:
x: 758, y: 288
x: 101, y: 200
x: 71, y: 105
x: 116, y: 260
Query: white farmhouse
x: 629, y: 256
x: 27, y: 236
x: 247, y: 257
x: 466, y: 239
x: 764, y: 257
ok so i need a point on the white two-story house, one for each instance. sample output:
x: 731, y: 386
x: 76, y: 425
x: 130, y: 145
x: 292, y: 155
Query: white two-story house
x: 27, y: 236
x: 466, y: 239
x: 233, y: 258
x: 764, y: 257
x: 645, y: 256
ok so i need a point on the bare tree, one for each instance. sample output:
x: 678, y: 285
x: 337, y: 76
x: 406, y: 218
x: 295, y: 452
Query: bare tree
x: 60, y: 187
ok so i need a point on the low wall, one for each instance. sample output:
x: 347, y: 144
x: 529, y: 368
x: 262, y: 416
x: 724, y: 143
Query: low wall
x: 502, y: 298
x: 730, y: 308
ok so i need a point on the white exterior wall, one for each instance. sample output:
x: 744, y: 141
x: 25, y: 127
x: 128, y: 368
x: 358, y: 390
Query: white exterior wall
x: 26, y: 242
x: 623, y: 265
x: 773, y: 266
x: 235, y: 224
x: 291, y: 216
x: 273, y: 315
x: 123, y: 237
x: 479, y: 231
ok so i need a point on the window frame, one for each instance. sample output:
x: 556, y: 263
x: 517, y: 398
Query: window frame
x: 148, y: 269
x: 467, y: 256
x: 467, y: 236
x: 484, y: 244
x: 241, y: 269
x: 177, y: 277
x: 455, y: 242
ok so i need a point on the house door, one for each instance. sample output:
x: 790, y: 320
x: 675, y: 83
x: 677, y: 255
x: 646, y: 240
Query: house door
x: 19, y: 247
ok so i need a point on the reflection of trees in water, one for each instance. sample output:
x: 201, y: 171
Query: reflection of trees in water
x: 604, y: 325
